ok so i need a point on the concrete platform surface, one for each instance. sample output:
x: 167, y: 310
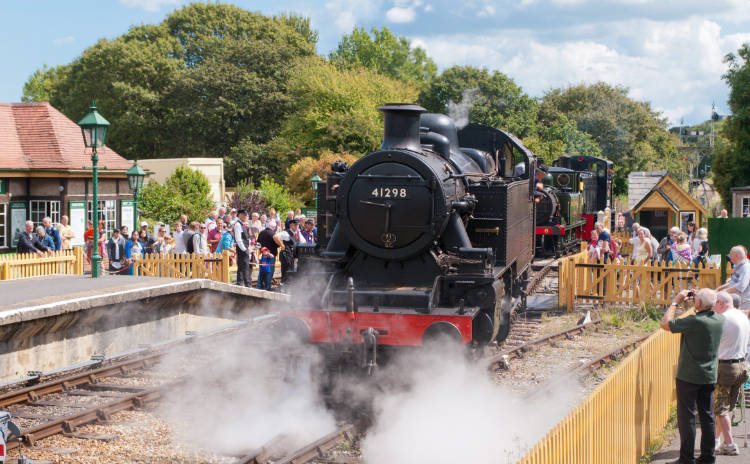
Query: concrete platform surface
x: 671, y: 451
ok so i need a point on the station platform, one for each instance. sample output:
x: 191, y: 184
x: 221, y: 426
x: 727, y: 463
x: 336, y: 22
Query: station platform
x: 670, y: 452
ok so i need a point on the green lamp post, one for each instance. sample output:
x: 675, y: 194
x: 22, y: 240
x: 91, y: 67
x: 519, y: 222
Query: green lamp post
x: 315, y: 180
x: 94, y: 128
x: 135, y: 182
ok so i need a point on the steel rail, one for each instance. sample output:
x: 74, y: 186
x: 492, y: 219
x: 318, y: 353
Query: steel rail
x: 318, y: 447
x: 100, y: 413
x: 497, y: 361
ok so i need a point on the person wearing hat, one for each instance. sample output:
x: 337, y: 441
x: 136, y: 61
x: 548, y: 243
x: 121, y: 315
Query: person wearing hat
x: 265, y: 272
x: 242, y: 239
x: 290, y: 237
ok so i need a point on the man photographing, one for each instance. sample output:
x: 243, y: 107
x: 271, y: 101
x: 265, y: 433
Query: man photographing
x: 697, y: 369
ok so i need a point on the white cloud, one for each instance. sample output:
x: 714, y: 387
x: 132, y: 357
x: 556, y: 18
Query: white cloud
x: 148, y: 5
x: 349, y: 13
x: 677, y: 65
x: 63, y: 41
x: 401, y: 15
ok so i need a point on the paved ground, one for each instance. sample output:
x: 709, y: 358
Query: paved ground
x: 671, y: 451
x: 40, y: 290
x: 542, y: 302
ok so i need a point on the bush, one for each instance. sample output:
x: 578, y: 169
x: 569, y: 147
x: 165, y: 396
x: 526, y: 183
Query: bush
x: 186, y: 191
x: 246, y: 197
x: 278, y: 197
x: 299, y: 175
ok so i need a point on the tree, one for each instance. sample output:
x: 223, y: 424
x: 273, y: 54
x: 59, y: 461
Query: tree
x: 299, y: 175
x: 43, y: 83
x: 201, y: 81
x: 277, y: 196
x: 732, y: 165
x: 186, y: 191
x: 628, y: 132
x: 383, y: 52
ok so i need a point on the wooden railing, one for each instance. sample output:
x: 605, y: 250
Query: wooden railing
x: 19, y: 266
x: 623, y: 282
x: 617, y: 421
x: 624, y: 237
x: 185, y: 266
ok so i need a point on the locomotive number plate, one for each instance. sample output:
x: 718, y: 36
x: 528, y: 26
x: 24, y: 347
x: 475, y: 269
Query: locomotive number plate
x: 400, y: 193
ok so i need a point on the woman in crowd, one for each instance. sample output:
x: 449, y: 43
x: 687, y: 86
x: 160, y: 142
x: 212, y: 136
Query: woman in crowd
x: 143, y: 239
x: 642, y: 249
x: 692, y: 229
x: 681, y: 249
x: 226, y: 243
x: 46, y: 240
x: 702, y: 253
x: 163, y: 243
x: 133, y: 249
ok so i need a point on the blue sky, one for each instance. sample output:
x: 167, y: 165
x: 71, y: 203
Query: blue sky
x: 668, y: 52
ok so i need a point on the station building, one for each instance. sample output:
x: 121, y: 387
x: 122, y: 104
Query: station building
x: 658, y: 202
x: 45, y: 170
x: 741, y: 201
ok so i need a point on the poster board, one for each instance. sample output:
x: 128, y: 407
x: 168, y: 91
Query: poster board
x: 127, y: 214
x: 77, y: 222
x: 18, y: 210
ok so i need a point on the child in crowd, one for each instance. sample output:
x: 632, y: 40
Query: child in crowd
x: 265, y: 271
x: 681, y: 249
x: 595, y: 251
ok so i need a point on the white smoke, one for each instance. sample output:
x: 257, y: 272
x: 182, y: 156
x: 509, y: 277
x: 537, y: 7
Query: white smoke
x: 460, y: 111
x: 452, y: 412
x: 243, y: 399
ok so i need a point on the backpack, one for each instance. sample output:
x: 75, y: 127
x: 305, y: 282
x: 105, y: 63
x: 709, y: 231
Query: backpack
x: 188, y: 237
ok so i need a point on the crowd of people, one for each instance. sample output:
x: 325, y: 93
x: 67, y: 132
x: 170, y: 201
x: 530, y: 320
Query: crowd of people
x: 256, y: 239
x: 713, y: 366
x: 689, y: 247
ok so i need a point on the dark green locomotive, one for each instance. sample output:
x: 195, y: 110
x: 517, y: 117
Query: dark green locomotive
x: 559, y: 209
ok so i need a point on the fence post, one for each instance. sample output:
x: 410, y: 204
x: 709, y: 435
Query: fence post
x: 225, y: 267
x: 78, y: 251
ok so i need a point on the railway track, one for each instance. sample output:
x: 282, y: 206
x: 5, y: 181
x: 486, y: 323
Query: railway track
x: 61, y: 401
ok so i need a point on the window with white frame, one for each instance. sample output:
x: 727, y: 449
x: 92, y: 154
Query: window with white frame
x: 3, y: 224
x: 107, y: 213
x: 746, y: 207
x: 41, y: 209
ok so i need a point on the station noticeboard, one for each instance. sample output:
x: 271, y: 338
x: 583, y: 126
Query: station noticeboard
x: 127, y: 214
x: 18, y: 215
x: 310, y: 212
x: 77, y: 222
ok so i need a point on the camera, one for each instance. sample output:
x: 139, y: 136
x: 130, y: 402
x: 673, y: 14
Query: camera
x: 690, y: 293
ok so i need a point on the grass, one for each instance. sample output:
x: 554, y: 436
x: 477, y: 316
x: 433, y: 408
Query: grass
x: 658, y: 442
x: 644, y: 318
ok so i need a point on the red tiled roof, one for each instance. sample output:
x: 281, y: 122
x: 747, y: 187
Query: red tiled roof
x: 38, y: 136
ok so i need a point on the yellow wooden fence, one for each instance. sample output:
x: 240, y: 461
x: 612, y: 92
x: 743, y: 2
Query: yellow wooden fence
x: 624, y: 237
x: 618, y: 420
x: 190, y: 266
x: 623, y: 282
x: 19, y: 266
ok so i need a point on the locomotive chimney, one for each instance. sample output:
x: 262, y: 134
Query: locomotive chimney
x: 401, y: 126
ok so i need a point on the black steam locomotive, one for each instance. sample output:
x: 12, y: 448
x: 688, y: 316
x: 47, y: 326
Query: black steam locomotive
x: 430, y: 236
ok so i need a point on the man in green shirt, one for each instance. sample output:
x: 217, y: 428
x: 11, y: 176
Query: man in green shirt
x: 697, y: 370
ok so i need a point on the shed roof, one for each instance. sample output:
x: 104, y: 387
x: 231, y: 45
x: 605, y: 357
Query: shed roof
x: 36, y: 136
x: 740, y: 189
x: 675, y: 196
x: 640, y: 183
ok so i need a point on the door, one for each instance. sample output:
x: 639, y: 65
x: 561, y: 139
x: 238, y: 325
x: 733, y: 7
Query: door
x: 657, y: 221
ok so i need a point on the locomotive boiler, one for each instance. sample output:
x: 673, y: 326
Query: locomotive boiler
x: 430, y: 236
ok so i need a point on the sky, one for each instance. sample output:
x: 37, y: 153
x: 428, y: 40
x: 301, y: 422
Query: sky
x: 668, y: 52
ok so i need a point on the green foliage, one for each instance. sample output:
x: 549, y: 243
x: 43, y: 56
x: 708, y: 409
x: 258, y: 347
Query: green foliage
x: 625, y: 130
x: 277, y: 196
x: 383, y: 52
x: 732, y: 164
x: 42, y: 83
x: 186, y: 191
x: 645, y: 317
x: 200, y: 82
x: 336, y: 111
